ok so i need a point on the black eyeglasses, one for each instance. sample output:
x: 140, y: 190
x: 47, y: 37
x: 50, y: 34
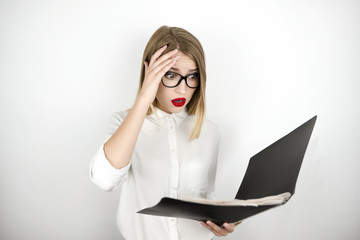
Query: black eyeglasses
x: 173, y: 79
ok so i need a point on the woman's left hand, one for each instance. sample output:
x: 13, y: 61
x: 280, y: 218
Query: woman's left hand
x: 220, y: 231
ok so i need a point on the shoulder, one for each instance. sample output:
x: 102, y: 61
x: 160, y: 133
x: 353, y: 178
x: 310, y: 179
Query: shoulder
x: 115, y: 121
x: 210, y: 125
x: 210, y: 129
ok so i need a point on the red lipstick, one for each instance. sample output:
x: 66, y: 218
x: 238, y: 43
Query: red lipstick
x: 178, y: 102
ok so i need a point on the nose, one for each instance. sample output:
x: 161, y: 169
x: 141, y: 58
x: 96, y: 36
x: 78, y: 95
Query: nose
x: 181, y: 88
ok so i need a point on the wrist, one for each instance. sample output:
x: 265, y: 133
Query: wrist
x: 142, y: 103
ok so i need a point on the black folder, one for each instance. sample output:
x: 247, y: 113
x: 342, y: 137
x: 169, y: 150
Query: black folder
x: 272, y: 171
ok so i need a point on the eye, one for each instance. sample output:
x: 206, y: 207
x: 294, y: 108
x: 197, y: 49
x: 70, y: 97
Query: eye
x: 170, y: 75
x: 194, y: 76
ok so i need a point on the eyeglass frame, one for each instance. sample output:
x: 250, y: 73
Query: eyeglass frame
x: 180, y: 80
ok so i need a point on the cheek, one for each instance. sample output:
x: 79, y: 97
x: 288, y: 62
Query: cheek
x: 162, y: 93
x: 190, y: 94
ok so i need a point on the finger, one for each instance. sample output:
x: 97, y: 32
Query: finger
x: 154, y: 74
x: 161, y: 69
x: 157, y: 54
x: 209, y: 228
x: 238, y: 223
x: 205, y: 225
x: 165, y: 57
x: 217, y: 230
x: 229, y: 227
x: 157, y: 73
x: 146, y: 65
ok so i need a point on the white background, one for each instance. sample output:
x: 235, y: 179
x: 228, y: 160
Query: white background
x: 66, y: 66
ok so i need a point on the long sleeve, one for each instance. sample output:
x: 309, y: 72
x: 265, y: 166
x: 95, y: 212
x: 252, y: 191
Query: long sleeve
x: 213, y: 168
x: 164, y: 164
x: 102, y: 173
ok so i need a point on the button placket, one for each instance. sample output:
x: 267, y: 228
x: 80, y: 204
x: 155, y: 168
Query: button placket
x: 174, y: 173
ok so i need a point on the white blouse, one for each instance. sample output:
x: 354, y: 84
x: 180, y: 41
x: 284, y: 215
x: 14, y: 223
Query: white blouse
x: 164, y: 164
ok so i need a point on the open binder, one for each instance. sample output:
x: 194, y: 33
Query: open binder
x: 271, y: 174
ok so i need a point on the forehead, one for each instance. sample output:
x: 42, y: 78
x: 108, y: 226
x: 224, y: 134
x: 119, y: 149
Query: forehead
x: 184, y: 63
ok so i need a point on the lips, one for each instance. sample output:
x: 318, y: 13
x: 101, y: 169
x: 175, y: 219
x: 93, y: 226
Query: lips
x: 178, y: 102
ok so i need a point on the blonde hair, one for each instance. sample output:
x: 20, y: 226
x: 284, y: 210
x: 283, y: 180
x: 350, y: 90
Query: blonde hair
x: 188, y: 44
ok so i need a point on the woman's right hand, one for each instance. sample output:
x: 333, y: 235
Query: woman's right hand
x: 154, y: 71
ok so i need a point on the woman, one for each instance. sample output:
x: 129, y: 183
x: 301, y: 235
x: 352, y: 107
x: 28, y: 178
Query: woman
x: 163, y: 146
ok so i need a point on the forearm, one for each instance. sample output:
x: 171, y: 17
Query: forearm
x: 120, y: 147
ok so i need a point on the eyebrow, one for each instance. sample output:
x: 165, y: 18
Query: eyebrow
x: 191, y: 70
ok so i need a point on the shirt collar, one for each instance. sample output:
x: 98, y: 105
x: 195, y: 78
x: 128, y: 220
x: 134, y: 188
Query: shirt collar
x: 177, y: 117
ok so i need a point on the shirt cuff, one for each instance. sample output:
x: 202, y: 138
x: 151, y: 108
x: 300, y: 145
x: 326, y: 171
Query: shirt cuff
x: 104, y: 175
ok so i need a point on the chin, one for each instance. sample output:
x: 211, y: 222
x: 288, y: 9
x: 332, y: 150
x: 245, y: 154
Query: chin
x: 177, y: 109
x: 172, y: 109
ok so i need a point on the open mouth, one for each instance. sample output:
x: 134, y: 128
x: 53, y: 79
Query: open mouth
x: 178, y: 102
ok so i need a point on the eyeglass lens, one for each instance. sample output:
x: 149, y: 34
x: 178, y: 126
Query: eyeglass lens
x: 172, y: 79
